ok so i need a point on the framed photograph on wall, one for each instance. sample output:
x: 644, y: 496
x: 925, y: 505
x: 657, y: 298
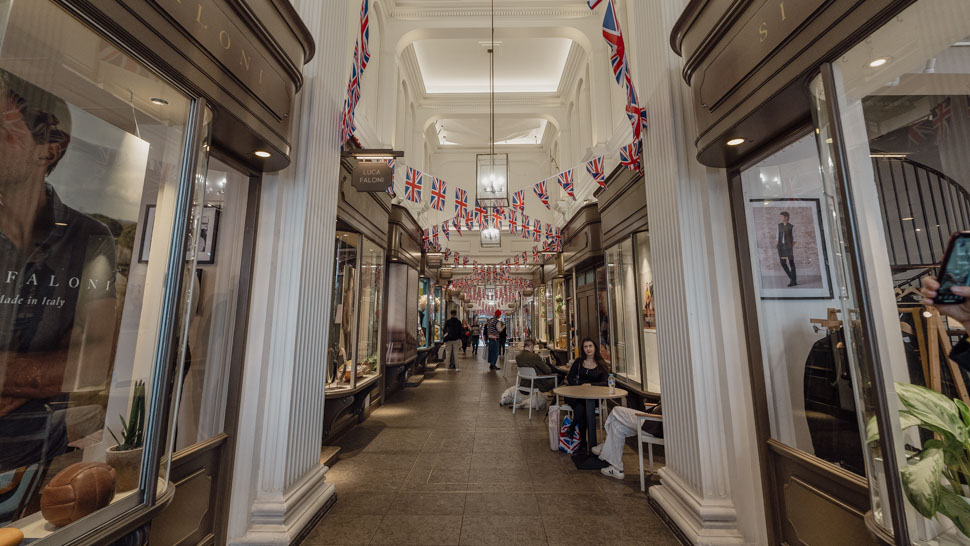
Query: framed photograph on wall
x: 208, y: 234
x: 789, y: 246
x: 146, y: 234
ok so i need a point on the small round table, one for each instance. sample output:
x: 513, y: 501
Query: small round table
x: 589, y: 392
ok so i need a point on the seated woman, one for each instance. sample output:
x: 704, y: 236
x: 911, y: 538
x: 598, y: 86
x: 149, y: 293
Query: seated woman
x: 529, y: 359
x: 621, y: 423
x: 588, y: 369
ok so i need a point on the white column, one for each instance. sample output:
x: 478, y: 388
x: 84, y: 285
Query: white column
x: 278, y: 481
x: 710, y: 486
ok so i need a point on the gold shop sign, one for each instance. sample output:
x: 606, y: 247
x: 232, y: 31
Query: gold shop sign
x: 765, y: 30
x: 219, y: 35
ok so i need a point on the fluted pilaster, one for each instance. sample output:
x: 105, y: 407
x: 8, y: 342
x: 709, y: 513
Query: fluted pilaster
x: 710, y: 485
x: 278, y: 481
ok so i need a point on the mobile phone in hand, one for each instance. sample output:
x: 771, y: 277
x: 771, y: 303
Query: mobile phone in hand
x: 954, y: 269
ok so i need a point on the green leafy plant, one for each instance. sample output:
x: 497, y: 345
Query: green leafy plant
x: 133, y: 430
x: 933, y: 480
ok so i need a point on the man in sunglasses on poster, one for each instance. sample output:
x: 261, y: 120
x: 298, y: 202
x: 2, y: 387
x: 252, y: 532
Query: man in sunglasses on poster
x: 57, y: 294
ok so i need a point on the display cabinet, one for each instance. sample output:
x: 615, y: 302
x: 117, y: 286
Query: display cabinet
x: 353, y: 358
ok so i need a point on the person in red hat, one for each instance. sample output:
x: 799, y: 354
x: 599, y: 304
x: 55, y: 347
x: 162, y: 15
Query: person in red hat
x: 493, y: 331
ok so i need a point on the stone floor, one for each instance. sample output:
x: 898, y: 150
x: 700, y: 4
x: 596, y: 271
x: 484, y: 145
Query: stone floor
x: 443, y: 463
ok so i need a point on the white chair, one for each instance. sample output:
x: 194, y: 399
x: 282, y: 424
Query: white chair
x: 649, y: 440
x: 530, y: 375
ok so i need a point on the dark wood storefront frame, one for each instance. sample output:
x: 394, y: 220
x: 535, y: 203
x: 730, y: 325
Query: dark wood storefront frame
x: 772, y: 101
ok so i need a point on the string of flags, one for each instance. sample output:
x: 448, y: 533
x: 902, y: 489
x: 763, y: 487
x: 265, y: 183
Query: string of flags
x: 361, y: 58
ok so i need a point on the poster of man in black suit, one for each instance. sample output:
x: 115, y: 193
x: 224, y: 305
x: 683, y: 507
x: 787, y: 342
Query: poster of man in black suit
x: 786, y: 247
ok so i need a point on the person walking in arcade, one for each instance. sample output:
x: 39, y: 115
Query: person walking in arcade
x: 493, y: 332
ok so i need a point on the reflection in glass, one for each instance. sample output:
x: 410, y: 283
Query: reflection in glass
x: 621, y: 285
x: 340, y: 367
x: 84, y: 156
x: 371, y: 308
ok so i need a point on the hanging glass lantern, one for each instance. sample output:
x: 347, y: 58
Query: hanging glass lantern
x: 491, y: 236
x: 492, y: 174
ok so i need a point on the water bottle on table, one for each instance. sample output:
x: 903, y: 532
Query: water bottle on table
x: 612, y: 383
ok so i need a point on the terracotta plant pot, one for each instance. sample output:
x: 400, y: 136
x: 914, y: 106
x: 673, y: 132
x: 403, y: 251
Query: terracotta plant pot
x: 127, y: 465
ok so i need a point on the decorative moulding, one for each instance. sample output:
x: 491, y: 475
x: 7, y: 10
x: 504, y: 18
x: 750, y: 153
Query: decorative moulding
x: 551, y: 12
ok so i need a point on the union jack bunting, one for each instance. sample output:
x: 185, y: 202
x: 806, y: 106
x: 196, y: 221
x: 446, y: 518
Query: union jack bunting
x: 496, y: 219
x: 427, y: 238
x: 465, y: 260
x: 621, y: 69
x: 630, y: 155
x: 461, y: 203
x: 439, y: 193
x: 566, y: 183
x: 390, y: 163
x: 456, y: 221
x: 526, y: 230
x: 518, y: 200
x: 434, y: 238
x: 549, y: 234
x: 412, y: 185
x: 513, y: 225
x: 481, y: 213
x: 596, y: 170
x: 361, y: 58
x: 542, y: 193
x: 446, y: 230
x: 558, y: 239
x: 469, y: 223
x: 536, y: 231
x: 940, y: 118
x: 593, y: 3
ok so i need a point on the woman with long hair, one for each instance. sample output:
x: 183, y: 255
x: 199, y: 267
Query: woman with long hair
x: 590, y: 368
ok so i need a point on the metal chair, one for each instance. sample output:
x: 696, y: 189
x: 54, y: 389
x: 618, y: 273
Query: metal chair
x: 530, y: 375
x: 649, y: 440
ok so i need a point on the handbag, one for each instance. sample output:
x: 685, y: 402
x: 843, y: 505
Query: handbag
x: 568, y: 442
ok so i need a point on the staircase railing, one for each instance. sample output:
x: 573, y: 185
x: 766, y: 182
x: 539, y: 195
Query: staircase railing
x: 921, y: 208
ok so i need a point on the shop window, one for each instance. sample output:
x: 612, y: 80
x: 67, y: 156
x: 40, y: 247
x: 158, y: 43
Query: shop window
x: 602, y: 314
x: 621, y: 290
x: 425, y: 308
x: 212, y: 306
x: 91, y: 150
x: 811, y: 401
x: 903, y: 114
x: 340, y: 366
x: 371, y: 308
x: 647, y: 312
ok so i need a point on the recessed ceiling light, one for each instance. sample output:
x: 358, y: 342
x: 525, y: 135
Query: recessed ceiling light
x: 735, y: 142
x: 158, y: 101
x: 262, y: 153
x: 878, y: 62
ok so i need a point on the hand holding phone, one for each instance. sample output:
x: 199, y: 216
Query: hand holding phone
x: 954, y: 270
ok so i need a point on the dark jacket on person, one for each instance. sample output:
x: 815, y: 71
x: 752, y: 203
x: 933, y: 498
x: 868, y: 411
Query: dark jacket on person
x: 654, y: 428
x: 579, y: 375
x: 528, y: 359
x: 454, y: 329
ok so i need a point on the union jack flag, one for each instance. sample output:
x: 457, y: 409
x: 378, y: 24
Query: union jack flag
x: 390, y: 163
x: 427, y: 238
x: 439, y: 193
x: 461, y: 203
x: 593, y: 3
x: 566, y: 183
x: 513, y: 225
x: 434, y: 237
x: 549, y: 234
x: 496, y: 219
x: 413, y: 180
x: 481, y: 214
x: 456, y: 221
x: 361, y: 58
x: 558, y: 239
x: 536, y: 231
x: 596, y: 169
x: 614, y: 37
x: 469, y: 223
x: 518, y: 200
x: 465, y: 260
x: 542, y: 193
x: 919, y: 132
x: 630, y: 155
x: 526, y: 230
x: 940, y: 117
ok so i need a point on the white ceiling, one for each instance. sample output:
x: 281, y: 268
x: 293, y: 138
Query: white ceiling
x: 522, y: 65
x: 474, y: 132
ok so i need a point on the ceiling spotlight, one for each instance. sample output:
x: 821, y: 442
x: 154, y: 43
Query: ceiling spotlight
x: 735, y: 142
x: 262, y: 153
x: 159, y: 101
x: 878, y: 62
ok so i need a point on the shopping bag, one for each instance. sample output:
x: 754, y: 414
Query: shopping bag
x: 441, y: 352
x: 568, y: 442
x: 553, y: 427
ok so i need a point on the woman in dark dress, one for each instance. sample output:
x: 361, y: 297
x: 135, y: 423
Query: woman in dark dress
x: 588, y: 369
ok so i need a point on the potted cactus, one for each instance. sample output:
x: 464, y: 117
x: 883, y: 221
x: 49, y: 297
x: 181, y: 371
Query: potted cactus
x: 125, y: 457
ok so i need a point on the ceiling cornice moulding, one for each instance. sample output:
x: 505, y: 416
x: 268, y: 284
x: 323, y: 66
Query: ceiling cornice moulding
x: 551, y: 12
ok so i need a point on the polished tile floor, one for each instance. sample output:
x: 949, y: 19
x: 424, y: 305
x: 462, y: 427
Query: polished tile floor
x: 443, y: 463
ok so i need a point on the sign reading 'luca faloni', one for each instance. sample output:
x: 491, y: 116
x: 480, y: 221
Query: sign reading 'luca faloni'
x: 373, y: 171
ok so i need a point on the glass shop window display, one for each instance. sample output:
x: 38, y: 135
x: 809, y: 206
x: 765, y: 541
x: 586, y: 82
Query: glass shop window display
x: 339, y: 357
x: 91, y: 147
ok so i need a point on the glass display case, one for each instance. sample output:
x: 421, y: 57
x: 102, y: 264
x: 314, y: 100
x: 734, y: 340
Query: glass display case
x: 425, y: 312
x: 633, y: 339
x: 352, y: 358
x: 100, y: 179
x: 560, y: 317
x: 539, y: 331
x: 437, y: 315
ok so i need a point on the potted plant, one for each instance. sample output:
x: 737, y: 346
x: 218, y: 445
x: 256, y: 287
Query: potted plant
x: 125, y: 457
x: 935, y: 480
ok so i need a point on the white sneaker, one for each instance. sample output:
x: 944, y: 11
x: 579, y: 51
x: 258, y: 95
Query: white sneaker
x: 597, y: 450
x: 612, y: 472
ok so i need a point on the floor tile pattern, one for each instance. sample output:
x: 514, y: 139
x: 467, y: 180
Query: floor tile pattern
x: 443, y: 463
